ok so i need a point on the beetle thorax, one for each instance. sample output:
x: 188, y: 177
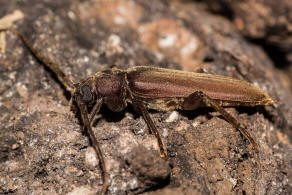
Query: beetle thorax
x: 109, y: 86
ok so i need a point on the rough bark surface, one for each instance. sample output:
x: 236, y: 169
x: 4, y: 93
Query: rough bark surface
x: 268, y: 23
x: 43, y: 149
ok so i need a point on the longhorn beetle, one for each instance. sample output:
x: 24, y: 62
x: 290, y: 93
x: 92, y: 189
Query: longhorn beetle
x: 153, y: 88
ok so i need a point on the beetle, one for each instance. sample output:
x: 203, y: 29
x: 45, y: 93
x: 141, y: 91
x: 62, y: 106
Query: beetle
x: 155, y: 88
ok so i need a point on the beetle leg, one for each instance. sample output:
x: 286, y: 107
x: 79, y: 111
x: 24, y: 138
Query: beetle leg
x: 94, y: 111
x: 142, y: 110
x: 87, y: 124
x: 195, y: 99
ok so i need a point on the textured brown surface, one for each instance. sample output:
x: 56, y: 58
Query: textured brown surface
x: 267, y: 22
x: 42, y: 148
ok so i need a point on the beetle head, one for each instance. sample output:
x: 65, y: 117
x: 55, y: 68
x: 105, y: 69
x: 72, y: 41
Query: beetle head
x: 88, y: 93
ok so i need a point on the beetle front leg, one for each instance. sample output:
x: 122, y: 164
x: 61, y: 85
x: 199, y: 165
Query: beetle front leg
x: 87, y: 124
x: 142, y: 110
x: 92, y: 114
x: 197, y: 98
x: 94, y: 111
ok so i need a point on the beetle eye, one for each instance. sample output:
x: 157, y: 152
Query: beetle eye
x: 88, y: 96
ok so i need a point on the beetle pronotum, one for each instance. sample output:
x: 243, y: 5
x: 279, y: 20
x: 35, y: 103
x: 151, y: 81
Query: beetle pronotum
x: 153, y: 88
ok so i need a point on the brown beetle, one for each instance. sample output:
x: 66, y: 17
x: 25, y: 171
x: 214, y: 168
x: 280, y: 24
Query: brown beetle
x: 154, y: 88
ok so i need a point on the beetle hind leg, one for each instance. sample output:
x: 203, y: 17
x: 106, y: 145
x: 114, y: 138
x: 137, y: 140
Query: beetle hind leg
x: 198, y: 98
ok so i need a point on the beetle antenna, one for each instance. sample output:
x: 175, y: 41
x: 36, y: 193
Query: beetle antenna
x: 53, y: 66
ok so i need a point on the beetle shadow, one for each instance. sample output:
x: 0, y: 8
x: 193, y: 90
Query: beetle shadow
x: 111, y: 116
x: 249, y: 110
x: 201, y: 111
x: 206, y: 111
x: 259, y: 109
